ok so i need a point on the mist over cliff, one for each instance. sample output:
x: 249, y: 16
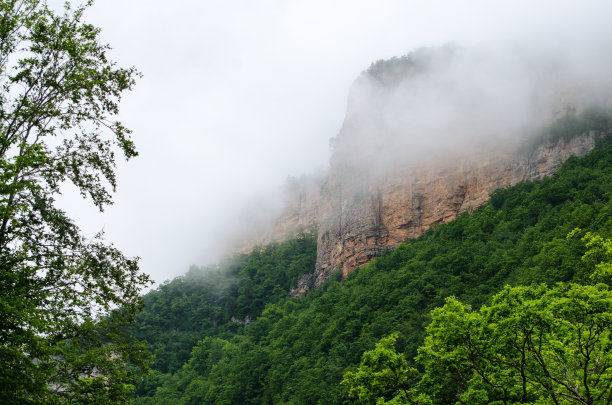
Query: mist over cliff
x: 449, y: 101
x: 431, y: 134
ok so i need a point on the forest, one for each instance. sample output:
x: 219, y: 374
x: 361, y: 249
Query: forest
x: 231, y: 334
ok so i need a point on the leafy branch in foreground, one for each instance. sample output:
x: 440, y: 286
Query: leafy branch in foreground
x: 59, y: 93
x: 533, y: 344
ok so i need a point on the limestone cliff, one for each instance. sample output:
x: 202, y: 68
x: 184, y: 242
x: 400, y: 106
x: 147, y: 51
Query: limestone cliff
x: 357, y: 223
x: 357, y: 220
x: 424, y: 140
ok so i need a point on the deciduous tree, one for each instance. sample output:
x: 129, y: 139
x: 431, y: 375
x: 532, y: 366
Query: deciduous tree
x: 59, y: 95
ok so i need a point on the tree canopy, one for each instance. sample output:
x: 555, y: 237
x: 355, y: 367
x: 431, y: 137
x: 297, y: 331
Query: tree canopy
x: 532, y: 344
x: 59, y: 336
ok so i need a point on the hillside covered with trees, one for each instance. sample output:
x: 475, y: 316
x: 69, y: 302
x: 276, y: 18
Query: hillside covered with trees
x: 293, y: 350
x: 509, y: 303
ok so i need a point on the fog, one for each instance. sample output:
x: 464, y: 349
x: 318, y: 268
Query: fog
x: 239, y: 95
x: 447, y: 102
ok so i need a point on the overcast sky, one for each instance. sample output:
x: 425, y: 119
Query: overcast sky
x: 238, y: 95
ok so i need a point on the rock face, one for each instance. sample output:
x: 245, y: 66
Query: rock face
x: 357, y: 219
x: 301, y: 199
x: 357, y: 223
x: 427, y: 137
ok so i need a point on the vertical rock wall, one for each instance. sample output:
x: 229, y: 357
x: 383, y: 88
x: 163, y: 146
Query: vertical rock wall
x: 358, y: 215
x: 357, y: 222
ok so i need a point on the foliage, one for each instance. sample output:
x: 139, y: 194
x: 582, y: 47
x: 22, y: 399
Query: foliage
x: 532, y: 344
x: 379, y: 370
x: 598, y: 256
x: 59, y: 95
x: 391, y: 72
x: 215, y: 301
x: 297, y: 351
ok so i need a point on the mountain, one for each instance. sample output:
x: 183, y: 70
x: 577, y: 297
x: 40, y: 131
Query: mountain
x: 440, y: 185
x: 411, y: 155
x: 296, y: 350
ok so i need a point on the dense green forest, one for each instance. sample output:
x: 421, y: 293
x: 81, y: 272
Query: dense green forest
x: 232, y: 334
x: 219, y: 300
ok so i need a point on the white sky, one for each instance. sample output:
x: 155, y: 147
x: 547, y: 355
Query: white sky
x: 238, y: 95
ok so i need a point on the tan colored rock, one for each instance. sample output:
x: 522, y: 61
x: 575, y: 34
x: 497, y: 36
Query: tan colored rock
x: 358, y: 217
x: 301, y: 199
x: 357, y: 224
